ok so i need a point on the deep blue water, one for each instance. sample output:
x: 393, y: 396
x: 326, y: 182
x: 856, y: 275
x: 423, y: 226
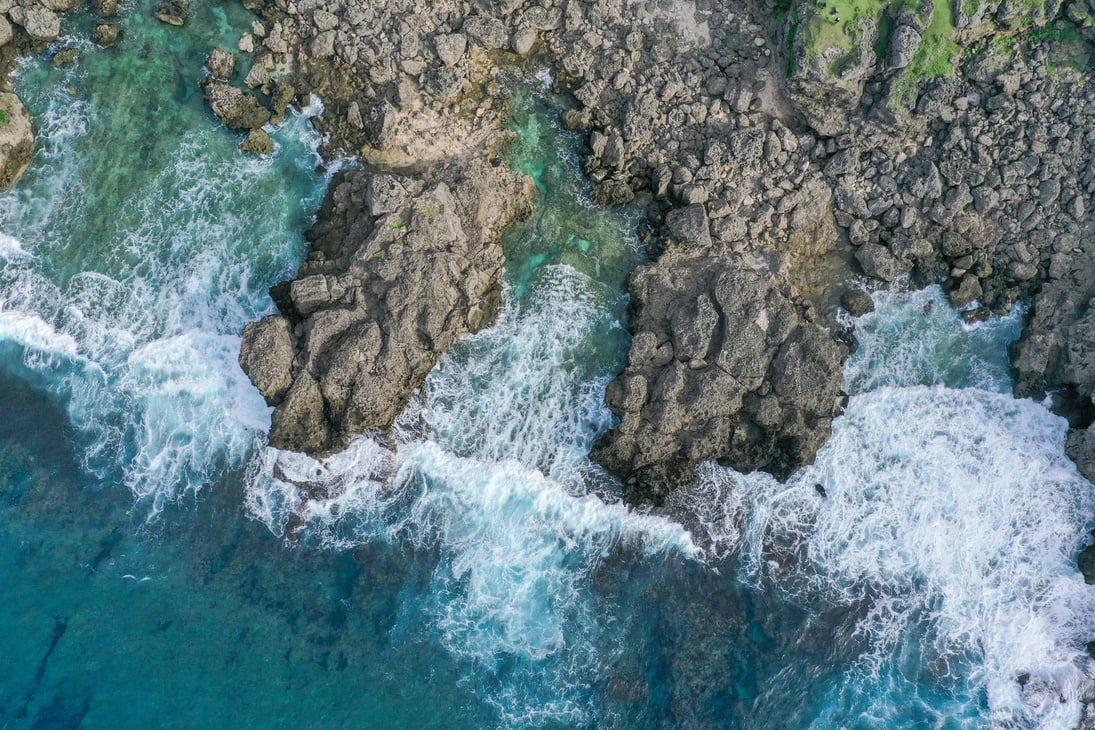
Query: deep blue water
x: 159, y: 569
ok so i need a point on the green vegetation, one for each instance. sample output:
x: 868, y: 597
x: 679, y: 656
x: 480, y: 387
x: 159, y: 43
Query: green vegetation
x: 935, y: 58
x: 3, y: 117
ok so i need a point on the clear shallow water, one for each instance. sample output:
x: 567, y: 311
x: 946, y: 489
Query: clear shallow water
x: 159, y: 567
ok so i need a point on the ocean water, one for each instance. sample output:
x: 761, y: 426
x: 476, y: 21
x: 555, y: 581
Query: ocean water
x: 160, y: 566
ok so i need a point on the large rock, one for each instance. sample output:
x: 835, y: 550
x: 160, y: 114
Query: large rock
x: 107, y: 35
x: 401, y: 270
x: 16, y: 139
x: 721, y: 367
x: 266, y: 355
x: 234, y: 106
x: 221, y: 64
x: 40, y: 23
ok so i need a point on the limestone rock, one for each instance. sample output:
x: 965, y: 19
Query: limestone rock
x: 105, y: 8
x: 39, y: 23
x: 413, y: 267
x: 258, y: 142
x: 450, y: 47
x: 721, y: 367
x: 16, y: 139
x: 266, y: 355
x: 221, y: 64
x: 234, y: 106
x: 107, y: 35
x: 174, y: 12
x: 65, y: 56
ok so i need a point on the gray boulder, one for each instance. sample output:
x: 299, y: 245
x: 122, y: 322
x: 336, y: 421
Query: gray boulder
x: 401, y: 270
x: 904, y: 43
x: 234, y: 106
x: 450, y: 47
x: 16, y: 139
x: 720, y: 367
x: 688, y: 227
x: 266, y: 355
x: 39, y: 23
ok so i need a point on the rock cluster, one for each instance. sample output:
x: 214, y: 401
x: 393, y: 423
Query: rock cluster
x: 721, y: 366
x: 791, y: 170
x: 400, y: 269
x: 16, y: 139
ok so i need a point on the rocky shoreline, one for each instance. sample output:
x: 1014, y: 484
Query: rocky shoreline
x: 785, y: 158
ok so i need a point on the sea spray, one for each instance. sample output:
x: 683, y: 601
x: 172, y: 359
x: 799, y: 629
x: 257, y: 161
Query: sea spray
x: 126, y: 279
x: 945, y: 520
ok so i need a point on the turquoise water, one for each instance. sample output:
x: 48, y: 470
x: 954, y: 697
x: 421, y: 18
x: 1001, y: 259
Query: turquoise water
x: 159, y: 568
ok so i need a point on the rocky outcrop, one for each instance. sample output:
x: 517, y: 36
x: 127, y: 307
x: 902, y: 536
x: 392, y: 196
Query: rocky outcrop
x: 850, y: 146
x: 16, y: 139
x: 722, y: 366
x: 401, y: 268
x: 107, y: 35
x: 234, y: 106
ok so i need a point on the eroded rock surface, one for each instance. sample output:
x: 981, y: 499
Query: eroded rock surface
x: 16, y: 139
x: 401, y: 268
x: 722, y: 366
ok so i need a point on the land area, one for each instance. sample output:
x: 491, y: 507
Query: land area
x: 789, y: 154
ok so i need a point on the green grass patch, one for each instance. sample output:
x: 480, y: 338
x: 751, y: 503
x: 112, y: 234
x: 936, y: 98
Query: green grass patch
x: 3, y: 117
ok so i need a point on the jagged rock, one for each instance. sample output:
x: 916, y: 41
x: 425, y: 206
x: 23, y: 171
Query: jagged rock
x: 105, y: 8
x: 688, y: 227
x: 904, y: 43
x: 967, y: 291
x: 857, y: 302
x: 523, y: 41
x: 487, y: 32
x: 39, y: 23
x: 65, y: 56
x: 107, y: 35
x: 16, y: 139
x: 1085, y: 561
x: 420, y: 267
x: 1080, y: 447
x: 877, y: 261
x: 174, y: 12
x: 266, y: 355
x: 234, y: 106
x: 722, y: 368
x: 612, y: 192
x: 257, y: 77
x: 221, y: 64
x: 450, y: 47
x: 258, y: 142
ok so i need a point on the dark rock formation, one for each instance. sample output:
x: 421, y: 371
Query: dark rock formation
x: 258, y: 142
x: 401, y: 268
x: 16, y: 139
x: 750, y: 134
x: 107, y: 35
x: 721, y: 367
x: 234, y: 106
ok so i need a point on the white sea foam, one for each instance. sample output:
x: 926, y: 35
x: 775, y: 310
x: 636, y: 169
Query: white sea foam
x: 487, y: 472
x: 918, y: 338
x: 517, y: 549
x: 950, y: 525
x: 139, y: 339
x: 519, y: 390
